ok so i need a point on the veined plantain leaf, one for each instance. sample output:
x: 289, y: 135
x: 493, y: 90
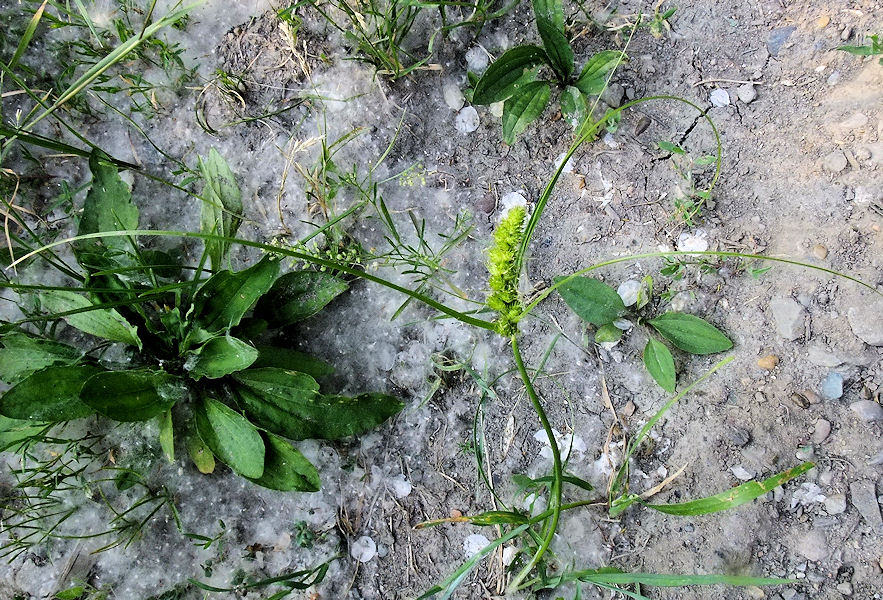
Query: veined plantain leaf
x: 523, y: 108
x: 690, y: 333
x: 108, y: 206
x: 660, y: 364
x: 506, y: 75
x: 593, y: 77
x: 288, y: 403
x: 592, y: 300
x: 550, y: 10
x: 285, y: 468
x: 221, y: 205
x: 135, y: 395
x: 230, y: 437
x: 574, y: 107
x: 200, y: 454
x: 291, y: 360
x: 221, y: 356
x: 298, y: 295
x: 22, y: 355
x: 557, y: 48
x: 608, y: 333
x: 50, y: 395
x: 222, y: 301
x: 106, y: 323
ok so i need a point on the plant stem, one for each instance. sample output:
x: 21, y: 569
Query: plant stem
x: 557, y: 471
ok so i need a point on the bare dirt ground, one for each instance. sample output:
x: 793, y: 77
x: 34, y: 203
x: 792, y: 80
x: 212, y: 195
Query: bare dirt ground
x: 802, y: 134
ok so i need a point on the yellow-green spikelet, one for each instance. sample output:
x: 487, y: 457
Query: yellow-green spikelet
x: 503, y: 281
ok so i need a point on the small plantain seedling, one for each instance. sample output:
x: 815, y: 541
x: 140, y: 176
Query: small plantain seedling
x: 872, y: 49
x: 514, y: 77
x: 197, y: 358
x: 689, y: 203
x: 599, y: 304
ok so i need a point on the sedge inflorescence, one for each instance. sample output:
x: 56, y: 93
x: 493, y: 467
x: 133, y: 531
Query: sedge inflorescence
x: 502, y: 264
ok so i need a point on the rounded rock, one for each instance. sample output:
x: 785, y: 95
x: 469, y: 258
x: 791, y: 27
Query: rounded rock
x: 835, y: 162
x: 363, y: 549
x: 820, y: 251
x: 768, y: 362
x: 467, y: 120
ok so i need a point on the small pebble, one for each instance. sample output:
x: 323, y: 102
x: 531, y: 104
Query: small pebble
x: 813, y: 546
x: 832, y: 386
x: 864, y: 498
x: 747, y: 93
x: 835, y: 162
x: 755, y: 592
x: 455, y: 514
x: 719, y: 98
x: 845, y: 588
x: 867, y: 410
x: 768, y: 362
x: 741, y: 473
x: 819, y: 251
x: 778, y: 37
x: 693, y: 242
x: 476, y: 59
x: 363, y: 549
x: 846, y: 33
x: 628, y: 291
x: 822, y: 21
x: 740, y: 437
x: 474, y: 544
x: 788, y: 317
x: 800, y: 400
x: 453, y: 96
x: 821, y: 431
x: 467, y: 120
x: 835, y: 504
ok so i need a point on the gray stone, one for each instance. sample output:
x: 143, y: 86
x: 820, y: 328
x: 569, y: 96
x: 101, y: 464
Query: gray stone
x: 746, y: 93
x: 788, y: 317
x: 845, y: 588
x: 864, y: 498
x: 819, y: 355
x: 719, y: 98
x: 777, y: 39
x: 832, y: 386
x: 813, y: 545
x: 867, y: 410
x: 835, y: 504
x: 835, y: 162
x: 866, y: 319
x: 612, y: 96
x: 821, y: 431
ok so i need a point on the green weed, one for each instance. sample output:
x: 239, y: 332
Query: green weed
x: 689, y: 204
x: 875, y: 47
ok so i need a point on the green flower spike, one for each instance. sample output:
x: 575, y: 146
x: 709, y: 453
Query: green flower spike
x: 503, y: 281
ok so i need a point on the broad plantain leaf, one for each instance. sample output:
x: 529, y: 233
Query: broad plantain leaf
x: 222, y: 301
x: 574, y: 107
x: 200, y: 454
x: 557, y: 48
x: 288, y: 403
x: 552, y: 11
x: 106, y: 323
x: 108, y: 207
x: 593, y: 77
x: 15, y: 431
x: 49, y: 395
x: 22, y: 355
x: 523, y: 108
x: 592, y: 300
x: 136, y: 395
x: 221, y: 205
x: 690, y: 333
x: 292, y: 360
x: 285, y: 468
x: 220, y: 356
x: 660, y: 364
x: 298, y: 295
x: 608, y: 333
x: 506, y: 75
x: 230, y: 437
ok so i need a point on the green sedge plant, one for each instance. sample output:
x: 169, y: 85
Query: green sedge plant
x: 514, y: 78
x: 874, y: 48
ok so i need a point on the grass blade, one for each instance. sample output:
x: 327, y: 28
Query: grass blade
x: 28, y: 34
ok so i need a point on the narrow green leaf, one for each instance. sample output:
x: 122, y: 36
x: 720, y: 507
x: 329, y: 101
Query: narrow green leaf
x: 22, y: 355
x: 608, y: 333
x: 668, y: 580
x: 167, y: 435
x: 136, y: 395
x: 106, y: 323
x: 230, y: 437
x: 574, y: 107
x: 523, y: 108
x: 108, y: 206
x: 222, y: 301
x: 220, y: 356
x: 14, y: 431
x: 498, y: 517
x: 291, y: 360
x: 670, y: 147
x: 162, y: 264
x: 286, y: 469
x: 27, y: 36
x: 288, y: 403
x: 200, y: 454
x: 298, y: 295
x: 734, y: 497
x: 221, y: 205
x: 505, y: 76
x: 660, y: 364
x: 552, y: 11
x: 593, y: 77
x: 690, y: 333
x: 49, y: 395
x: 593, y: 300
x: 557, y: 48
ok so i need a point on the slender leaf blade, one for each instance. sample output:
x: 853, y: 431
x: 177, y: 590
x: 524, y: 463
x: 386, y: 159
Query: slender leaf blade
x: 231, y: 437
x: 550, y: 10
x: 167, y: 435
x: 136, y: 395
x: 669, y: 580
x: 557, y: 48
x: 593, y: 77
x: 106, y: 323
x: 50, y: 395
x: 660, y: 364
x: 505, y: 76
x: 592, y: 300
x: 523, y: 108
x: 691, y: 333
x: 27, y: 35
x: 297, y: 296
x: 286, y: 469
